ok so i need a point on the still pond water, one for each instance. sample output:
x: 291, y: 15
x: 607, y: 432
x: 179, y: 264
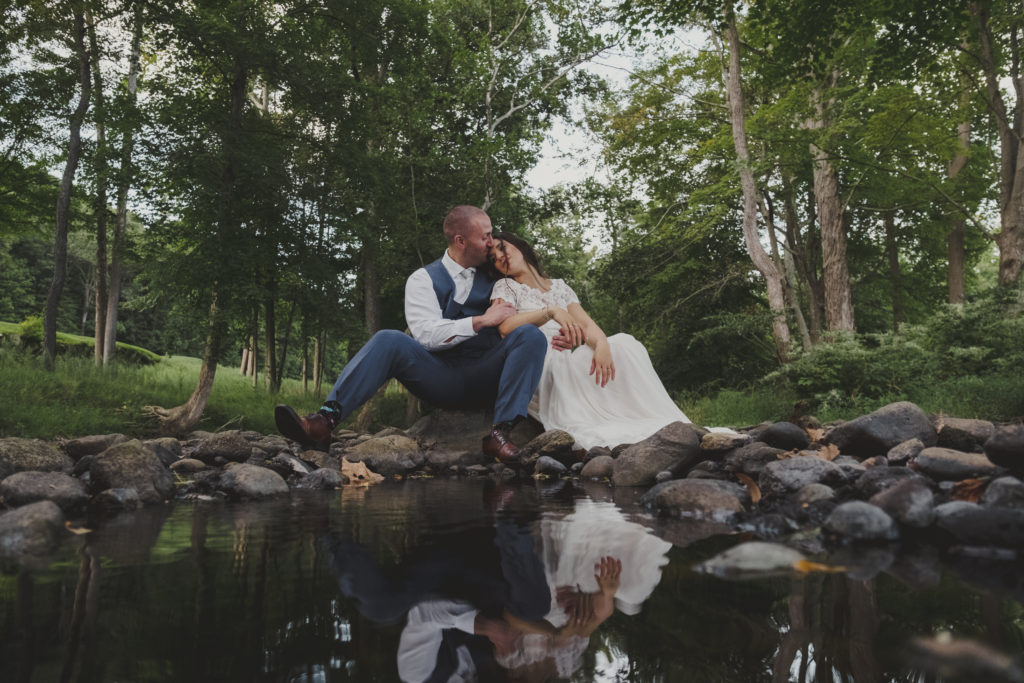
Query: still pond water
x: 364, y: 585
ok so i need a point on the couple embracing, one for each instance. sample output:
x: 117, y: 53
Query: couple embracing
x: 490, y: 328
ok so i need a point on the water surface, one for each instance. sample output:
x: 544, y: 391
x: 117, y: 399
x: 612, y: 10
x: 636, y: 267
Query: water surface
x: 357, y: 585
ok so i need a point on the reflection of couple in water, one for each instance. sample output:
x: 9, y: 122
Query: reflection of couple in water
x: 515, y: 600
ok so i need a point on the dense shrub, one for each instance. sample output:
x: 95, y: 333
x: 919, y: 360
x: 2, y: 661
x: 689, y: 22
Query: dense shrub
x: 973, y: 345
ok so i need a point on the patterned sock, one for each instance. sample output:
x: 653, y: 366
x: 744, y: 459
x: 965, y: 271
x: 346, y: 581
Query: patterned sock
x: 508, y: 425
x: 331, y: 411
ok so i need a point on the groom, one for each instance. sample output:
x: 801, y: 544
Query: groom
x: 455, y: 357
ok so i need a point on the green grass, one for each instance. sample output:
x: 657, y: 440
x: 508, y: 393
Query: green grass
x: 77, y: 398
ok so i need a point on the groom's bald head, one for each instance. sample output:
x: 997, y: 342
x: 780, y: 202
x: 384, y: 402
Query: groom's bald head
x: 461, y: 220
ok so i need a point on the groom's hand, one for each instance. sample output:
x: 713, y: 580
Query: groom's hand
x: 498, y: 312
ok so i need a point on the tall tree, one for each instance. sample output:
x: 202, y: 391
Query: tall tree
x: 129, y: 120
x: 997, y: 61
x: 77, y: 31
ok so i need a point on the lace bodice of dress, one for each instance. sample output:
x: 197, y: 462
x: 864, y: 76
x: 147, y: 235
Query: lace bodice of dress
x: 526, y: 298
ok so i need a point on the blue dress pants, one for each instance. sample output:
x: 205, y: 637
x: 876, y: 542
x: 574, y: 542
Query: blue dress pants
x: 507, y: 374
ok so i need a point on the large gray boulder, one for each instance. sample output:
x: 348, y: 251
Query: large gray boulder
x: 132, y: 465
x: 910, y: 502
x: 751, y: 459
x: 719, y: 443
x: 230, y: 446
x: 782, y: 477
x: 1006, y: 448
x: 675, y: 448
x: 904, y: 452
x: 878, y: 432
x: 962, y: 434
x: 22, y: 488
x: 554, y: 443
x: 947, y: 464
x: 600, y: 467
x: 860, y: 521
x: 1004, y: 492
x: 390, y: 455
x: 971, y: 524
x: 33, y: 529
x: 464, y: 430
x: 22, y: 455
x: 166, y: 448
x: 708, y: 499
x: 880, y: 478
x: 784, y: 435
x: 324, y: 478
x: 94, y: 444
x: 251, y: 482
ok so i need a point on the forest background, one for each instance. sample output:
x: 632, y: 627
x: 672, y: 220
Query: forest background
x: 816, y: 208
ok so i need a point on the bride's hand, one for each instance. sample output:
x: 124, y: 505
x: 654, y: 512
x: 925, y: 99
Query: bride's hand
x: 602, y: 366
x: 570, y: 328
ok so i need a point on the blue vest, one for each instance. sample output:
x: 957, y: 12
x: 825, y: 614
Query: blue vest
x: 478, y: 301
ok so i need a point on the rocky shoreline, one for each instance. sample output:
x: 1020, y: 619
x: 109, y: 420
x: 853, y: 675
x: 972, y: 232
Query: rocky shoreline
x: 896, y: 475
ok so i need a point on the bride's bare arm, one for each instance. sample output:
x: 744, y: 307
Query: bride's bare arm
x: 602, y: 366
x: 571, y: 328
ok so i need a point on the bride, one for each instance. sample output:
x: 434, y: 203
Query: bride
x: 606, y: 391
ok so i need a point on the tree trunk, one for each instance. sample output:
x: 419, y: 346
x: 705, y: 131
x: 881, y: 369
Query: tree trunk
x: 761, y: 259
x: 1011, y: 155
x: 270, y: 341
x: 786, y: 272
x: 244, y: 370
x: 892, y: 254
x: 185, y: 417
x: 371, y: 285
x: 100, y: 200
x: 318, y: 362
x: 60, y: 249
x: 804, y: 254
x: 838, y: 298
x: 284, y: 343
x: 123, y: 184
x: 305, y: 364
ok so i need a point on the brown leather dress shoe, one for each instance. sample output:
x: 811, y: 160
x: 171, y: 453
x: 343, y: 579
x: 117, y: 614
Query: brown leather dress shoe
x: 497, y: 445
x: 311, y: 430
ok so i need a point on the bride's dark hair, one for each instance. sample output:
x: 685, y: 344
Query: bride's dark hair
x: 529, y: 255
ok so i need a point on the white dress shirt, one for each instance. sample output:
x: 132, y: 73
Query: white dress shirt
x: 422, y: 636
x: 423, y: 314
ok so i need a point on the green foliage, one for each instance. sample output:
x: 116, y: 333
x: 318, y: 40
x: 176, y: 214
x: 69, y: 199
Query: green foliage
x: 30, y: 330
x: 962, y: 360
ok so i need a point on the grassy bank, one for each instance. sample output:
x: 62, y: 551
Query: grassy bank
x: 78, y: 398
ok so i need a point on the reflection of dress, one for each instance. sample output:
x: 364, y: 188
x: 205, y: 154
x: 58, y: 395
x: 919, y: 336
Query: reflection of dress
x: 629, y: 409
x: 571, y: 546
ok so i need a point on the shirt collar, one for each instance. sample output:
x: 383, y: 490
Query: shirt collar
x: 453, y: 268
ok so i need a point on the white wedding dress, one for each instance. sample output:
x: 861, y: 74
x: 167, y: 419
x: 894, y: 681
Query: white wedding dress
x: 628, y: 409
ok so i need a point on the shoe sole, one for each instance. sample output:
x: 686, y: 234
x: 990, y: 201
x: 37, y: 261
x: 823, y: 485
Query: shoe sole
x: 290, y: 425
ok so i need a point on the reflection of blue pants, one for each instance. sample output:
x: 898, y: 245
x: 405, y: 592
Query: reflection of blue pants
x: 514, y: 579
x: 506, y: 374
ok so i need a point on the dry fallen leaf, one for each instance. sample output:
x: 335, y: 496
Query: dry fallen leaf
x: 358, y: 473
x: 755, y: 490
x: 829, y: 452
x: 806, y: 567
x: 77, y: 529
x: 969, y: 489
x: 815, y: 434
